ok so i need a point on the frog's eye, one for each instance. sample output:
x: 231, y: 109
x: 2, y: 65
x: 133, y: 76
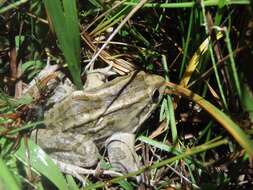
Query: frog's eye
x: 155, y: 95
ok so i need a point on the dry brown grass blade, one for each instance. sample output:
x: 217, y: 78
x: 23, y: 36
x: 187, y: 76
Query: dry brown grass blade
x: 120, y: 66
x: 132, y: 12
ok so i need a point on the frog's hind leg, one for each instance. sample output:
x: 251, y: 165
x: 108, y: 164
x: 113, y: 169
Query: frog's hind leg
x: 71, y: 148
x: 121, y: 153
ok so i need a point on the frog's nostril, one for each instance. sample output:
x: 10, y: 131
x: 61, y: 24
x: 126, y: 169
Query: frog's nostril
x: 155, y: 95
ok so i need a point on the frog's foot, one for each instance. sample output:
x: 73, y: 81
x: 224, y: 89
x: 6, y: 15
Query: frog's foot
x: 121, y: 153
x: 79, y: 172
x: 97, y: 77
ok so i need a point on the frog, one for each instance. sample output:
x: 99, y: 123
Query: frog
x: 103, y: 114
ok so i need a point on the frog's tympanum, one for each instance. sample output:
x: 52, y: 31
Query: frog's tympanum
x: 104, y: 113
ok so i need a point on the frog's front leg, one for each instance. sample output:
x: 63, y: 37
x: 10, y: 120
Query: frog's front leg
x: 70, y: 148
x: 121, y: 153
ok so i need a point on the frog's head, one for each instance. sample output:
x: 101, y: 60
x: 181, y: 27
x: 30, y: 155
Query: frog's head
x: 149, y: 91
x: 156, y: 87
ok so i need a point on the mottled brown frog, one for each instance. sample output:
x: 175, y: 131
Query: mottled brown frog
x: 79, y: 124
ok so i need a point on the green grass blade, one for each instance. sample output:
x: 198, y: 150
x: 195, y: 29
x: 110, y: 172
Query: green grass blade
x: 125, y: 185
x: 71, y: 183
x: 188, y: 4
x: 247, y: 100
x: 156, y: 144
x: 159, y: 145
x: 104, y: 24
x: 41, y: 162
x: 218, y: 16
x: 12, y: 6
x: 55, y: 12
x: 233, y: 65
x: 65, y: 24
x: 72, y: 26
x: 172, y: 120
x: 186, y: 46
x: 7, y: 181
x: 211, y: 52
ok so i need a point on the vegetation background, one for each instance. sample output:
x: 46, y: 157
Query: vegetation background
x: 202, y: 48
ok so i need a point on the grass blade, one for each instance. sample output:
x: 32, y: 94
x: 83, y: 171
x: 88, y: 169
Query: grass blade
x: 188, y: 4
x: 233, y: 65
x: 7, y: 181
x: 196, y: 59
x: 11, y: 6
x: 170, y: 107
x: 41, y: 162
x: 65, y: 24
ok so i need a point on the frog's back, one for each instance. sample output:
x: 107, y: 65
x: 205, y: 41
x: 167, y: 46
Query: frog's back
x: 120, y: 105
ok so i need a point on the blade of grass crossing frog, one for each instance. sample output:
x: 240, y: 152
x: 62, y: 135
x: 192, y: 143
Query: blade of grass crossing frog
x: 195, y: 60
x: 187, y: 153
x: 41, y: 162
x: 218, y: 115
